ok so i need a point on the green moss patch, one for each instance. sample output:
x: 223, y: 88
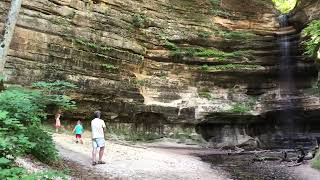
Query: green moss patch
x: 229, y: 67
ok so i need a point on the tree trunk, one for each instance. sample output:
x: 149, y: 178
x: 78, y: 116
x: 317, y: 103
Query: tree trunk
x: 8, y: 32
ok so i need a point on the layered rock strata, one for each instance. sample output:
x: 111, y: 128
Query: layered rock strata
x: 159, y: 66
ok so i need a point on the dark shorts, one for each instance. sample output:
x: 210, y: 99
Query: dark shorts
x: 78, y: 135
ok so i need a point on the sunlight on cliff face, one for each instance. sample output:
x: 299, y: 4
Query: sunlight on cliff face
x: 285, y: 6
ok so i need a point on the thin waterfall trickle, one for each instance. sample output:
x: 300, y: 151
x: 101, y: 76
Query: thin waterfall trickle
x: 286, y: 82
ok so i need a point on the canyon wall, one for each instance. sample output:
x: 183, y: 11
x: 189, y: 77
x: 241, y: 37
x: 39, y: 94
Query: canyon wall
x: 163, y: 65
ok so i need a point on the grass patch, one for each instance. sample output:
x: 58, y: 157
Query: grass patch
x: 240, y: 107
x: 204, y: 34
x: 91, y: 44
x: 204, y: 94
x: 110, y: 67
x: 178, y: 52
x: 234, y: 34
x: 171, y: 46
x: 229, y: 67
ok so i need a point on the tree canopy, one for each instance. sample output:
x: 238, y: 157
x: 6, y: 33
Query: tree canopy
x: 285, y: 5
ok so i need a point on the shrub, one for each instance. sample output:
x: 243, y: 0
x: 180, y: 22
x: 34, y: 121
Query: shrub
x: 13, y: 141
x: 14, y: 173
x: 205, y: 67
x: 23, y: 104
x: 44, y: 148
x: 139, y: 20
x: 21, y: 111
x: 312, y: 31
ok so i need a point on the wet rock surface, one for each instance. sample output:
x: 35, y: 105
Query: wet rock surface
x: 242, y: 167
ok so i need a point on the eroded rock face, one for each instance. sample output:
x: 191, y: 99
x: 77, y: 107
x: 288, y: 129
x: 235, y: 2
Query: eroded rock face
x: 305, y: 12
x: 158, y: 65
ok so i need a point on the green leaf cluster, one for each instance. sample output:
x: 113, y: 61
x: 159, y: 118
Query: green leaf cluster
x: 285, y: 6
x: 312, y: 43
x: 139, y: 20
x: 21, y: 112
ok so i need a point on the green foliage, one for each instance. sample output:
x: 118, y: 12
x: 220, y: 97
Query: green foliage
x: 205, y: 94
x: 204, y: 34
x: 315, y: 88
x: 54, y: 94
x: 139, y: 82
x: 15, y: 173
x: 312, y: 31
x: 240, y: 107
x: 204, y: 67
x: 178, y: 52
x: 44, y: 148
x: 234, y: 34
x: 22, y: 104
x: 110, y: 67
x: 139, y: 20
x: 285, y: 5
x: 316, y: 162
x: 1, y: 77
x: 215, y: 2
x: 171, y: 46
x: 54, y: 86
x: 229, y: 67
x: 92, y: 45
x: 21, y: 111
x: 13, y: 140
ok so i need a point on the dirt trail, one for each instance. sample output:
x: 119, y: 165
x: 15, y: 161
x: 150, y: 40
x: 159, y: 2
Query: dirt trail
x: 130, y: 162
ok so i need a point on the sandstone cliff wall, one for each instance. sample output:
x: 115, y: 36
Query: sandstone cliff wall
x: 162, y: 62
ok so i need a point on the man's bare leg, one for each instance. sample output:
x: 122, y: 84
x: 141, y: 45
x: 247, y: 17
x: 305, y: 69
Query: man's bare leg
x: 94, y: 152
x: 101, y: 155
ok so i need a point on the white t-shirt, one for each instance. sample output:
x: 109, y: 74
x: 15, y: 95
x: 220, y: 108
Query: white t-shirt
x: 97, y: 126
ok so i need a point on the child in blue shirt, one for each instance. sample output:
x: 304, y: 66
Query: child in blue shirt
x: 78, y: 130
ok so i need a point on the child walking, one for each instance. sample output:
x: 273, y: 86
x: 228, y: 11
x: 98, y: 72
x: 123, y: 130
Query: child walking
x: 57, y: 119
x: 78, y: 130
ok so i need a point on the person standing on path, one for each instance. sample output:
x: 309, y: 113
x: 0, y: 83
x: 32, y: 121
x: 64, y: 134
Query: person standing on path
x: 98, y: 141
x: 78, y: 130
x: 57, y: 119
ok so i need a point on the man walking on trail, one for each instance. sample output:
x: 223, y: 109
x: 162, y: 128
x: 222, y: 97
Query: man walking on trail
x: 97, y: 127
